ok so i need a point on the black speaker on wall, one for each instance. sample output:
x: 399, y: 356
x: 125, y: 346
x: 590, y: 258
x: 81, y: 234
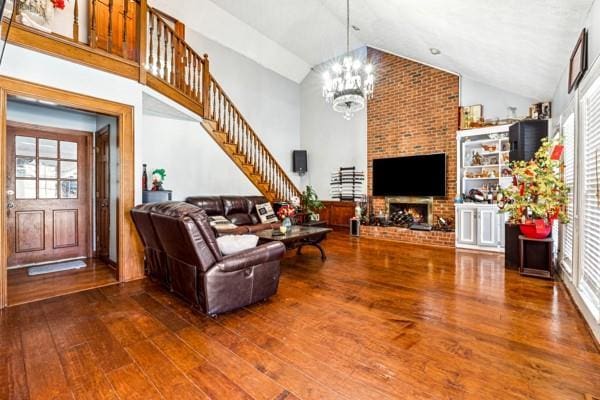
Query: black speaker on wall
x: 299, y: 161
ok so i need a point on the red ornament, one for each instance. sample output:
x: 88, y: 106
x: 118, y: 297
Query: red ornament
x: 60, y: 4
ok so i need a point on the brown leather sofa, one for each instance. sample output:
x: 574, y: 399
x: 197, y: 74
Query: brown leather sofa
x: 240, y: 210
x: 155, y: 257
x: 196, y: 270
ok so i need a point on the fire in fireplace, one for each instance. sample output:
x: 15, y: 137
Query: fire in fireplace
x: 418, y: 208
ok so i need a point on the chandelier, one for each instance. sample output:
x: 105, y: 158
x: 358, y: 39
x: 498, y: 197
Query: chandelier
x: 349, y: 84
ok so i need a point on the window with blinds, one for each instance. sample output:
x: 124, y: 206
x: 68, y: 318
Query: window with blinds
x: 567, y: 231
x: 590, y: 233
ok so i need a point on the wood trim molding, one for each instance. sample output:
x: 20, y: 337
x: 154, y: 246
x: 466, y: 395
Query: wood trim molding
x: 174, y: 94
x: 61, y: 47
x: 130, y: 253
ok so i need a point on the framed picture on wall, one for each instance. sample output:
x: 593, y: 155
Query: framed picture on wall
x: 578, y: 62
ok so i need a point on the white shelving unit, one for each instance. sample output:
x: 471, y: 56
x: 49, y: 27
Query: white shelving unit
x: 478, y: 225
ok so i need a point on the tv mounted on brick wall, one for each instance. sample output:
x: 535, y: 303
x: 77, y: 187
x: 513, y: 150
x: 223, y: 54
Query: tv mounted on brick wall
x: 423, y: 175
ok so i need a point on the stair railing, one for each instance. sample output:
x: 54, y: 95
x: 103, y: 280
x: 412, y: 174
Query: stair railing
x: 248, y: 145
x: 169, y: 58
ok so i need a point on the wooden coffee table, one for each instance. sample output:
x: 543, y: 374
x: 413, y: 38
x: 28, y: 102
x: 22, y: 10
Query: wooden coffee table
x: 297, y: 237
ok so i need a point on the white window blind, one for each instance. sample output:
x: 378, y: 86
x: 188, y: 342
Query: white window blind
x: 590, y: 237
x: 567, y: 231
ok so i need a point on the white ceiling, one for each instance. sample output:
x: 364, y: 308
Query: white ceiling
x: 522, y: 46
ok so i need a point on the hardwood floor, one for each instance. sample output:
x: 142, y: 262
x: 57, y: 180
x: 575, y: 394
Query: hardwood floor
x: 23, y: 288
x: 377, y: 320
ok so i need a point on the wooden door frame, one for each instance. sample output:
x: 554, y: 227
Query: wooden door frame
x: 105, y: 128
x: 129, y: 249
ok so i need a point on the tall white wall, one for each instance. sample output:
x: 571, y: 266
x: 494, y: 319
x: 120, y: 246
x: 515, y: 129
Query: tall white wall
x: 495, y: 101
x: 268, y: 101
x: 194, y: 163
x: 562, y: 99
x: 330, y: 140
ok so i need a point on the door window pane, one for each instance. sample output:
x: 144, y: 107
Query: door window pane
x: 68, y: 170
x: 48, y: 189
x: 68, y: 189
x: 25, y: 167
x: 48, y: 169
x: 68, y: 150
x: 25, y: 189
x: 48, y: 148
x: 25, y: 146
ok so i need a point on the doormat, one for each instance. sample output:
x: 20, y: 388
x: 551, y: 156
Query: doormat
x: 55, y: 267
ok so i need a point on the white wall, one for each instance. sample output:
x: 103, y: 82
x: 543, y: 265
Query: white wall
x: 330, y: 141
x: 53, y: 117
x: 268, y: 101
x: 561, y: 98
x: 495, y: 101
x: 194, y: 163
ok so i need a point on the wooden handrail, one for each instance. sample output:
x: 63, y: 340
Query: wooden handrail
x: 231, y: 121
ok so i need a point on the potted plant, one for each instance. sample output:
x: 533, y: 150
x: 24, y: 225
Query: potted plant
x: 310, y: 202
x: 538, y: 195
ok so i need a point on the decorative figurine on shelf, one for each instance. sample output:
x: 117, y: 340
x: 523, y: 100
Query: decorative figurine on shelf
x: 477, y: 159
x: 158, y: 177
x: 144, y: 178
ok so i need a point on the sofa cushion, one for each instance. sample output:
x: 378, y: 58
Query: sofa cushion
x: 240, y: 218
x: 235, y: 205
x: 232, y: 244
x: 266, y: 214
x: 212, y: 205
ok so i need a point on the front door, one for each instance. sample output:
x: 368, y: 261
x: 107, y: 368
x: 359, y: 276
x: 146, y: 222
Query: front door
x: 103, y: 192
x: 48, y: 198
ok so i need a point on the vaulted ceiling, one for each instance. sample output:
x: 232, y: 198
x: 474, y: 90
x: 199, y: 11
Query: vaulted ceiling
x: 522, y: 46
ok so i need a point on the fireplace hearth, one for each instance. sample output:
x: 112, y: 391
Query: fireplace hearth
x: 418, y: 208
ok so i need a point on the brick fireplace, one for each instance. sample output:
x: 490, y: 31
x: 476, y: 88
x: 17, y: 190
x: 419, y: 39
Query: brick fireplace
x: 414, y: 111
x: 420, y: 208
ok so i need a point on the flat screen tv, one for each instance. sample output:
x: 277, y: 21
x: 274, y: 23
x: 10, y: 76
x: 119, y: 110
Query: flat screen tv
x: 410, y: 176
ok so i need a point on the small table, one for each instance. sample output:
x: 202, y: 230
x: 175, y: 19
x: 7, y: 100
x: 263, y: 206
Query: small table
x: 297, y: 237
x: 537, y: 252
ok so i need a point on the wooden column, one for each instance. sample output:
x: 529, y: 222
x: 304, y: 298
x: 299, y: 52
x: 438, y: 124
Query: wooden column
x: 124, y: 49
x: 142, y: 36
x: 110, y: 26
x: 76, y: 21
x: 206, y: 87
x: 93, y: 25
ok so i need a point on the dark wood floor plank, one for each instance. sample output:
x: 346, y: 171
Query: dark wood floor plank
x: 132, y: 384
x: 252, y: 381
x: 168, y: 379
x: 376, y: 321
x: 85, y: 378
x: 44, y: 372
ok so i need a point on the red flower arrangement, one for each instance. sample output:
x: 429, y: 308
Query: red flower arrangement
x: 286, y: 211
x: 60, y: 4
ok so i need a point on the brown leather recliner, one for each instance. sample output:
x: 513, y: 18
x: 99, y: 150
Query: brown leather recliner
x: 155, y: 257
x: 200, y: 274
x: 240, y: 210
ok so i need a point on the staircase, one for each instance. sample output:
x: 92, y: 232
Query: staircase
x: 174, y: 69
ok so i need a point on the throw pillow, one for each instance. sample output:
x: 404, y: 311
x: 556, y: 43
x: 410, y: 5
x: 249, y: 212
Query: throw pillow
x: 220, y: 223
x: 266, y: 214
x: 232, y: 244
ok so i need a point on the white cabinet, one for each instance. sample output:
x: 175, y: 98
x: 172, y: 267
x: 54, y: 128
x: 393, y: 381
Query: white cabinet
x: 479, y: 226
x: 487, y: 224
x: 466, y: 225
